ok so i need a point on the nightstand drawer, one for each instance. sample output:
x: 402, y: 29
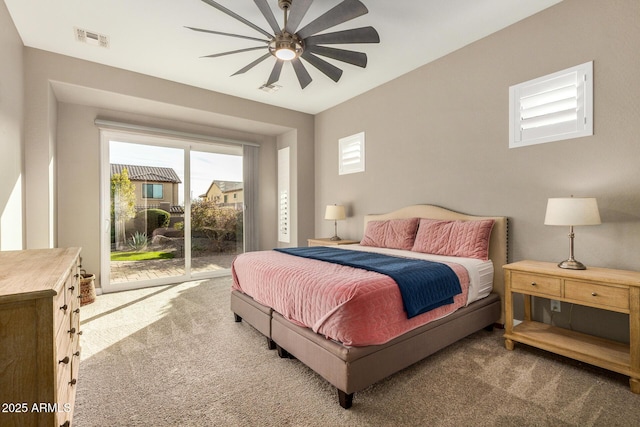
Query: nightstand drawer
x: 592, y: 294
x: 536, y: 285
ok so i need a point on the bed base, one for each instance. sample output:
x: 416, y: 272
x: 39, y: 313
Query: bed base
x: 351, y: 369
x: 256, y: 315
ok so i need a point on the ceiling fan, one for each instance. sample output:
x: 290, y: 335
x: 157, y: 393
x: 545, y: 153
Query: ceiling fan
x: 290, y: 44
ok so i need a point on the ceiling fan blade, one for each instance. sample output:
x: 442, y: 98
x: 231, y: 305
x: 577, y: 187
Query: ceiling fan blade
x: 227, y: 34
x: 298, y: 10
x: 333, y: 72
x: 356, y: 35
x: 275, y: 73
x: 348, y: 56
x: 303, y: 75
x: 343, y: 12
x: 215, y: 55
x: 253, y: 64
x: 236, y: 16
x: 268, y: 15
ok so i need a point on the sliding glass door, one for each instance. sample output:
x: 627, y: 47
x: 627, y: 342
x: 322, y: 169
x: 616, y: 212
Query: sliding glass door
x: 217, y: 208
x: 173, y: 210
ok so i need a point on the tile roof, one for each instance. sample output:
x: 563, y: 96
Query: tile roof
x: 147, y: 173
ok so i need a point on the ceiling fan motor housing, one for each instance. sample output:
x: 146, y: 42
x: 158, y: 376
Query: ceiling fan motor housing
x: 287, y: 41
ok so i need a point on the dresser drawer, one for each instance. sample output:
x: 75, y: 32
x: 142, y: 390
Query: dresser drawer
x: 60, y: 310
x: 595, y: 295
x: 534, y: 284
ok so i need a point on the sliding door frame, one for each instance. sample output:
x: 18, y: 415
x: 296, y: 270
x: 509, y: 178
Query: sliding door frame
x: 170, y: 140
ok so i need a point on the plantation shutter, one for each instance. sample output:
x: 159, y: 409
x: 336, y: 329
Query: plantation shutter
x: 551, y: 108
x: 351, y: 154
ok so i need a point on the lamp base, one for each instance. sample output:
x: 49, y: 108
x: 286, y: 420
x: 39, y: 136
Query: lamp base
x: 335, y: 238
x: 572, y: 264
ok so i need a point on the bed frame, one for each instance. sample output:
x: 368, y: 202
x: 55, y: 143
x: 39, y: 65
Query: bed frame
x: 351, y: 369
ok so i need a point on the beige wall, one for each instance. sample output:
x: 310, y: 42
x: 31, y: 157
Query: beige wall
x: 11, y: 135
x: 440, y: 135
x: 75, y: 92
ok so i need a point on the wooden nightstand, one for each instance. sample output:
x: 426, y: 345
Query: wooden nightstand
x: 329, y: 242
x: 606, y: 289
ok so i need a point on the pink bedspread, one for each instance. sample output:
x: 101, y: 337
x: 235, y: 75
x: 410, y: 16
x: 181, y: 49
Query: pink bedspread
x: 350, y: 305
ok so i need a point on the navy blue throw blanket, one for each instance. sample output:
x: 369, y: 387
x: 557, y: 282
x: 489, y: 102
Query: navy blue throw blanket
x: 424, y: 285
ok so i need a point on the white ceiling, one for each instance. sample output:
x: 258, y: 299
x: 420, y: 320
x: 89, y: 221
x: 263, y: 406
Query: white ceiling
x: 148, y: 36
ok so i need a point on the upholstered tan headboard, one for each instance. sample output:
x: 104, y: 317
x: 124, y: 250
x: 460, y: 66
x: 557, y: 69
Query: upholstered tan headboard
x: 498, y: 244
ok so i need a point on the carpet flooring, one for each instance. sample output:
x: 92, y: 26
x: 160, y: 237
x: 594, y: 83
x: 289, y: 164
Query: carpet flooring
x: 173, y: 356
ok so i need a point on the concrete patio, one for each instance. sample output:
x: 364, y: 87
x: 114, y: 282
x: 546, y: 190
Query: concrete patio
x: 130, y: 271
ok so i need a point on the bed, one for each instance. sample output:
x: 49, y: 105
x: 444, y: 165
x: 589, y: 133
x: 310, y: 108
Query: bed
x: 363, y: 361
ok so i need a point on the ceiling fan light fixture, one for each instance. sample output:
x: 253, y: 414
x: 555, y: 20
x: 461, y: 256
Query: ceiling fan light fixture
x: 285, y: 47
x: 285, y: 53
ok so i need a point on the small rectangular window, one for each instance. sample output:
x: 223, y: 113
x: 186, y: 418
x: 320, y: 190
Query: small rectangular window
x: 552, y: 108
x: 351, y: 154
x: 152, y: 191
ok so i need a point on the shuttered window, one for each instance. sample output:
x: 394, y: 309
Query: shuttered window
x: 552, y: 108
x: 351, y: 154
x: 284, y: 234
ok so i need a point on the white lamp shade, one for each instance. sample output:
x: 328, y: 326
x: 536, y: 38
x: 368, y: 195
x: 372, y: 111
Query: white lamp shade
x: 572, y: 211
x: 335, y: 212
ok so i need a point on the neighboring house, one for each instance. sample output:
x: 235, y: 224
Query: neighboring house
x: 156, y: 187
x: 225, y: 193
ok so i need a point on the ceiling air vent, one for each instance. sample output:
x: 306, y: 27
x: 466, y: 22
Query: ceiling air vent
x: 92, y: 38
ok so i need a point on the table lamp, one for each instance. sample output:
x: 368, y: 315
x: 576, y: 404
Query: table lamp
x: 572, y: 211
x: 335, y: 213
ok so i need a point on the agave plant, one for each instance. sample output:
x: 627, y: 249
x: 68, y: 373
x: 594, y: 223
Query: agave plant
x: 139, y: 241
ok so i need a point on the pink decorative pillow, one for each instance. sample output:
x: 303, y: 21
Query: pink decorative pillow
x: 432, y: 236
x: 391, y: 233
x: 469, y: 239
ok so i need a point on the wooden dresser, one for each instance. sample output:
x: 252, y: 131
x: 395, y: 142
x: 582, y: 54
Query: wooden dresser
x: 39, y: 336
x: 602, y: 288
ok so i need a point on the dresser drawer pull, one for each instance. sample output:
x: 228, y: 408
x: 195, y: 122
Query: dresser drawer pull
x: 79, y: 332
x: 73, y: 382
x: 71, y: 288
x: 65, y: 360
x: 77, y: 353
x: 534, y: 284
x: 64, y: 307
x: 593, y: 294
x: 66, y: 424
x: 72, y: 331
x: 76, y: 311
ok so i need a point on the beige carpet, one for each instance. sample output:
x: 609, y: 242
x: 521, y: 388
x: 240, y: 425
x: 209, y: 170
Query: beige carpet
x: 173, y: 356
